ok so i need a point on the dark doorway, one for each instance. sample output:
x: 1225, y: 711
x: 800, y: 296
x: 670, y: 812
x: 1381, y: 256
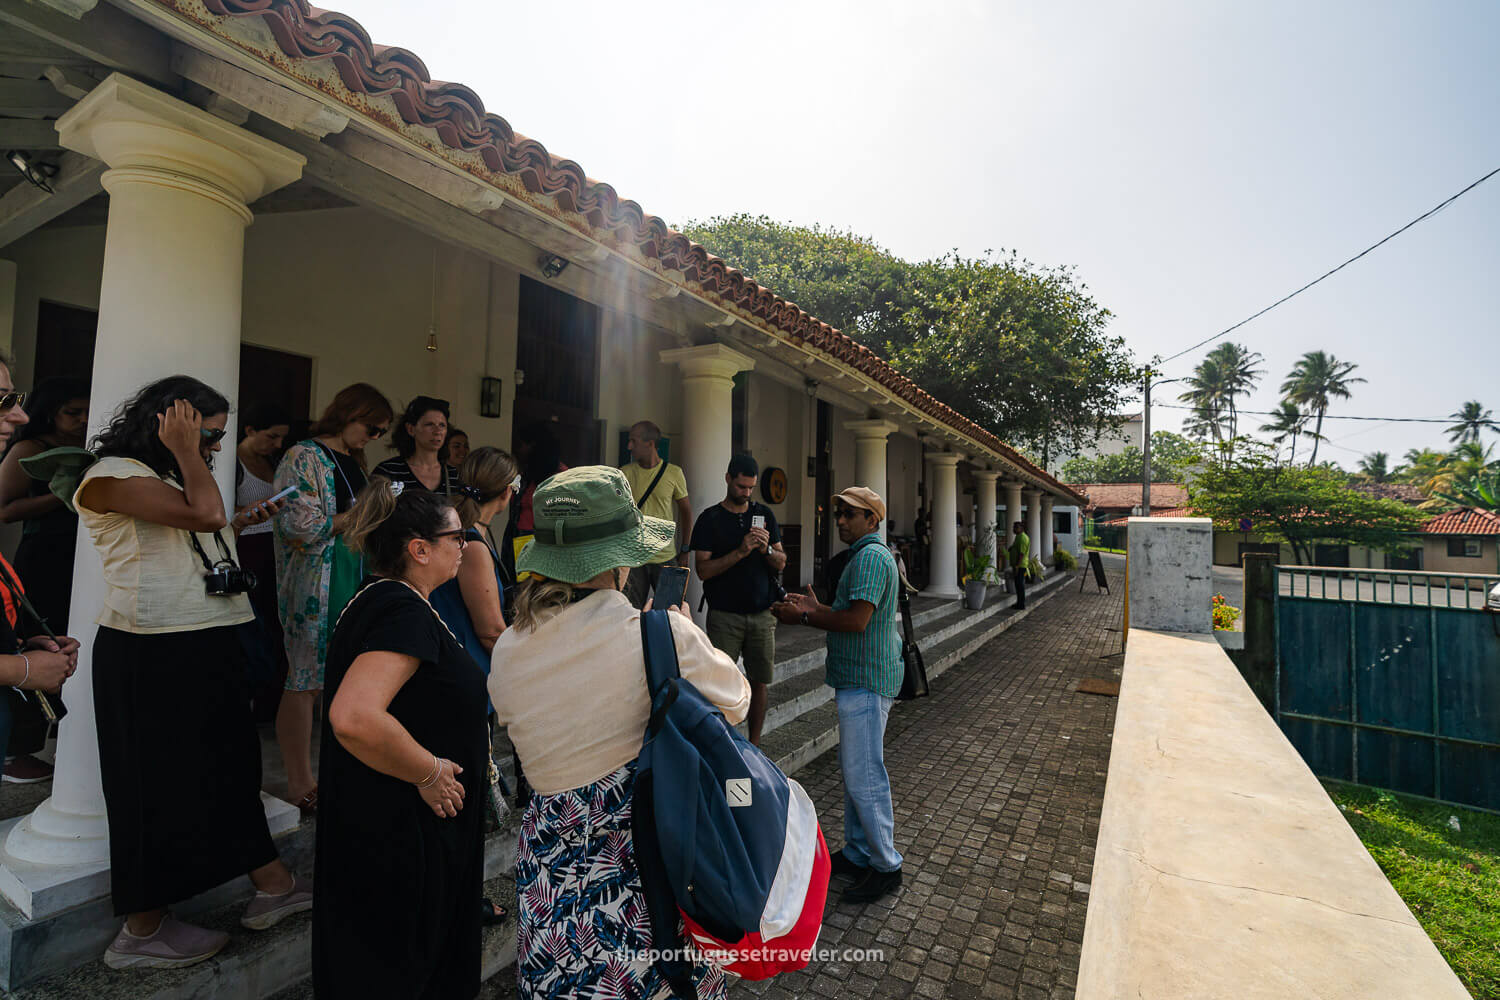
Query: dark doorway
x: 276, y: 377
x: 1410, y: 559
x: 1331, y: 555
x: 65, y: 337
x: 823, y: 491
x: 557, y: 348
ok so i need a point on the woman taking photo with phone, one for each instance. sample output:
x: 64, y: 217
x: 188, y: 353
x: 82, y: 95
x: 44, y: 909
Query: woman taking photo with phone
x: 178, y: 752
x: 400, y: 852
x: 569, y: 680
x: 316, y: 574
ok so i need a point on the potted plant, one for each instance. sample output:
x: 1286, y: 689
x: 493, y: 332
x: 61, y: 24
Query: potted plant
x: 978, y: 562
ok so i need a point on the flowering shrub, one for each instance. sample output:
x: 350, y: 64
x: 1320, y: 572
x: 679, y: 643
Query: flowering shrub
x: 1225, y: 614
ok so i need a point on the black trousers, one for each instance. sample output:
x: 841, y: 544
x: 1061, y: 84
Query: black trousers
x: 1020, y: 578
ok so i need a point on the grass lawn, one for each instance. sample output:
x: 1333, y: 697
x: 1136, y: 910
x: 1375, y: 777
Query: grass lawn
x: 1449, y: 878
x: 1095, y: 548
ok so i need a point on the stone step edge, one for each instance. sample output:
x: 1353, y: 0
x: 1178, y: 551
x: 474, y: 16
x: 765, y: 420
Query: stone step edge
x: 779, y: 714
x: 804, y: 754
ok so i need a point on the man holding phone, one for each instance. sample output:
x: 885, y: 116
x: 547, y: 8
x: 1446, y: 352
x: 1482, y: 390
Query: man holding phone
x: 737, y: 550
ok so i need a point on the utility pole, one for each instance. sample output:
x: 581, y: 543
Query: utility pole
x: 1146, y: 449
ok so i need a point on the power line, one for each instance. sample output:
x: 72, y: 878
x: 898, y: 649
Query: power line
x: 1327, y: 416
x: 1351, y: 260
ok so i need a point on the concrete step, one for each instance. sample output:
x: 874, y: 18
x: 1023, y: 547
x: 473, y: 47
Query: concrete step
x: 799, y: 741
x: 260, y: 964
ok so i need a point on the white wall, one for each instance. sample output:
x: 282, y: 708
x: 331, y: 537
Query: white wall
x: 903, y: 457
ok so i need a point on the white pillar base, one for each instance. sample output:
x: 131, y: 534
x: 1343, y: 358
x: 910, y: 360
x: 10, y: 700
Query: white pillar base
x: 73, y: 871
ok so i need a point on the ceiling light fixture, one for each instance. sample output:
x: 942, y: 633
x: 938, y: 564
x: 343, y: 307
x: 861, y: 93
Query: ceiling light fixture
x: 551, y: 264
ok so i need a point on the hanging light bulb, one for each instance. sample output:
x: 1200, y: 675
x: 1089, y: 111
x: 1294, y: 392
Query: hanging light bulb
x: 432, y: 310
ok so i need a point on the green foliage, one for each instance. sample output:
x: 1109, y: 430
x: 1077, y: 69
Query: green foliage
x: 1288, y: 423
x: 1374, y: 468
x: 1172, y: 455
x: 1064, y: 560
x: 977, y: 557
x: 1227, y: 373
x: 1019, y: 349
x: 1299, y: 505
x: 1315, y: 381
x: 1481, y: 490
x: 1450, y: 878
x: 1034, y: 568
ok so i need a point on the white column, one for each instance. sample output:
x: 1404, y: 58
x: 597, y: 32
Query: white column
x: 869, y: 460
x: 1013, y: 513
x: 943, y: 578
x: 1048, y: 543
x: 1034, y: 519
x: 986, y: 512
x: 179, y: 182
x: 707, y: 426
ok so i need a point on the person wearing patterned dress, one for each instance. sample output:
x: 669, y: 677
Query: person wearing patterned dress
x: 316, y: 575
x: 568, y: 679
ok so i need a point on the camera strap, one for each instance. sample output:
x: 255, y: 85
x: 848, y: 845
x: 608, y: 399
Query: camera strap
x: 227, y: 560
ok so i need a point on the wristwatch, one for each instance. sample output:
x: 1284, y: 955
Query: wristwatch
x: 804, y: 617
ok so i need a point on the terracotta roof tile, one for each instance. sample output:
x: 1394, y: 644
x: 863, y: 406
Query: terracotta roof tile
x: 1125, y: 496
x: 1464, y: 521
x: 458, y: 116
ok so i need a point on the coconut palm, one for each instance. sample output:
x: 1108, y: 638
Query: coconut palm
x: 1316, y: 380
x: 1375, y: 467
x: 1206, y: 394
x: 1237, y: 372
x: 1423, y: 468
x: 1289, y: 422
x: 1473, y: 419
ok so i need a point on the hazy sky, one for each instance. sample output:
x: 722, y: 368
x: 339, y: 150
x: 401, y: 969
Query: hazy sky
x: 1194, y: 160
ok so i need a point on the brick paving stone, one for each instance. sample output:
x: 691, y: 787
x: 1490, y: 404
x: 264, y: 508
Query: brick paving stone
x: 997, y: 782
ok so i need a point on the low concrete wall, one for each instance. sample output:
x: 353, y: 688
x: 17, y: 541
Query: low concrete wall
x: 1222, y: 868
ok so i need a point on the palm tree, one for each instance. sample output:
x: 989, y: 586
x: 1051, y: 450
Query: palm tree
x: 1316, y: 380
x: 1423, y: 467
x: 1238, y: 374
x: 1289, y: 422
x: 1481, y: 491
x: 1472, y: 420
x: 1375, y: 467
x: 1208, y: 385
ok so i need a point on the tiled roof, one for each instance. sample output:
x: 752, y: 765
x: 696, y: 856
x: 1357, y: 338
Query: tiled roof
x: 458, y: 117
x: 1404, y: 492
x: 1464, y: 521
x: 1126, y: 496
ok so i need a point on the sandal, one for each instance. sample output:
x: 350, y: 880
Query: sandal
x: 308, y: 804
x: 492, y: 914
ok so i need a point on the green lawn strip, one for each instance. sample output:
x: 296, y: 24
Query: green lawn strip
x: 1449, y: 878
x: 1095, y: 548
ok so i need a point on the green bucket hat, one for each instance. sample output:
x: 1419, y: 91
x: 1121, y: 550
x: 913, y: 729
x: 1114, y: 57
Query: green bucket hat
x: 587, y: 522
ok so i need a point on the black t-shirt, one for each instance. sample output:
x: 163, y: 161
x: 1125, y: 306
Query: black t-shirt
x: 348, y: 477
x: 744, y: 588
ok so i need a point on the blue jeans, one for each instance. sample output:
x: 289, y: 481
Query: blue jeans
x: 869, y: 821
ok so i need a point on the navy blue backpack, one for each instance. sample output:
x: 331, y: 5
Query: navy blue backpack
x: 723, y: 838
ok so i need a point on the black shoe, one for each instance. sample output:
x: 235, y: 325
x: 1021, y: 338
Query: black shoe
x: 873, y: 886
x: 841, y: 865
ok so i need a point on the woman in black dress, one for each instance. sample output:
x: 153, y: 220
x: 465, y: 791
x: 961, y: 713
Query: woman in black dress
x: 400, y: 848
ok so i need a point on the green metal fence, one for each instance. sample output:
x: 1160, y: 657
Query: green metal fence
x: 1392, y: 679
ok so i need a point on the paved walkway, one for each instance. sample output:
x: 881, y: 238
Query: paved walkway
x: 998, y: 780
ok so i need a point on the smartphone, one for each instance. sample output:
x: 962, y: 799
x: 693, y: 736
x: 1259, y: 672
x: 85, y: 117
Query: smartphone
x: 671, y: 588
x: 281, y: 496
x: 759, y: 521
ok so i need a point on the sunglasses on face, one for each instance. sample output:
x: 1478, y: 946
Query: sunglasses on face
x: 457, y: 533
x: 11, y: 400
x: 840, y: 511
x: 211, y: 435
x: 374, y: 431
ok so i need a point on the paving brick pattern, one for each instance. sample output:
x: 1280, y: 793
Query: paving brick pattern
x: 998, y: 779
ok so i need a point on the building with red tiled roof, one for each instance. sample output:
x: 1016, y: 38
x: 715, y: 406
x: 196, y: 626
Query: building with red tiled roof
x: 1108, y: 500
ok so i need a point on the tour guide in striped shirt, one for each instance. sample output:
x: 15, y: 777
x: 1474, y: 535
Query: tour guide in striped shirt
x: 864, y: 668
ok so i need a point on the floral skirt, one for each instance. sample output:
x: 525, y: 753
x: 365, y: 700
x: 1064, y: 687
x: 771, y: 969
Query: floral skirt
x: 583, y: 926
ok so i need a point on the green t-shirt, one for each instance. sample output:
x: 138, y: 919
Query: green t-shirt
x: 662, y: 502
x: 1019, y: 551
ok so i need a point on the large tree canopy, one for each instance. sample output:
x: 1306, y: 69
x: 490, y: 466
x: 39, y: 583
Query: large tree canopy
x: 1299, y: 505
x: 1019, y: 349
x: 1172, y: 455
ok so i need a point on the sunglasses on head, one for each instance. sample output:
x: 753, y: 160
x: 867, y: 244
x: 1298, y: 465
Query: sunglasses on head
x: 11, y: 400
x: 211, y: 435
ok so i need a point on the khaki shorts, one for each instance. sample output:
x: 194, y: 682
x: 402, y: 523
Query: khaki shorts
x: 750, y: 636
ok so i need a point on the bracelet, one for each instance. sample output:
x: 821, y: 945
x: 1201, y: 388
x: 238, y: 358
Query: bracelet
x: 26, y: 660
x: 437, y: 770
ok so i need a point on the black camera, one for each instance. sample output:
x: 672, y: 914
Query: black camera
x: 226, y: 581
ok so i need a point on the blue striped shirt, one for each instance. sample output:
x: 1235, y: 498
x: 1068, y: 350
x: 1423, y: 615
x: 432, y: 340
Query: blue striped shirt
x: 870, y: 659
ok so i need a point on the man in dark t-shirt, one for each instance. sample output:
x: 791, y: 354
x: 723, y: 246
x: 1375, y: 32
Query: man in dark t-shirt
x: 737, y: 550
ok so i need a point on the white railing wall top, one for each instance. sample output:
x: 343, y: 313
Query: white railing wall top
x: 1222, y: 867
